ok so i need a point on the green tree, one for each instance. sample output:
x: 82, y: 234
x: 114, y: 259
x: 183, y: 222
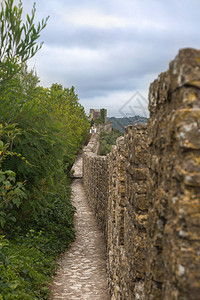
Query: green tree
x: 18, y: 43
x: 41, y: 130
x: 17, y: 39
x: 53, y: 125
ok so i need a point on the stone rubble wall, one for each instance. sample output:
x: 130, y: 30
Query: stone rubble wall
x: 146, y: 192
x: 115, y: 217
x: 173, y: 243
x: 93, y: 144
x: 105, y: 127
x: 96, y: 185
x: 136, y: 210
x: 95, y: 177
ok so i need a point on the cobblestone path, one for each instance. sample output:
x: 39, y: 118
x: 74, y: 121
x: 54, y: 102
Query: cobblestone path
x: 78, y: 167
x: 82, y: 275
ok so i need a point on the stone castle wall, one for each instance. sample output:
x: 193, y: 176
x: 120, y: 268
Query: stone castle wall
x: 173, y: 239
x: 146, y: 192
x: 96, y: 185
x: 105, y: 127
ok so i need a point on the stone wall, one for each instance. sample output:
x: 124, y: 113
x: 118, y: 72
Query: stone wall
x: 127, y: 213
x: 115, y: 217
x: 136, y: 210
x: 95, y: 176
x: 105, y: 127
x: 173, y: 245
x: 146, y: 192
x: 93, y: 145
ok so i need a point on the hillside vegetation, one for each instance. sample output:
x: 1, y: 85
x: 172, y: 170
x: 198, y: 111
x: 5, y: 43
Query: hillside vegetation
x: 107, y: 140
x: 121, y: 123
x: 41, y: 130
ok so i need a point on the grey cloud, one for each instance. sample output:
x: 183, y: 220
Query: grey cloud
x: 128, y: 57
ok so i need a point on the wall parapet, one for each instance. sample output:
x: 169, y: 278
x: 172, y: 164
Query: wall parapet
x: 95, y: 177
x: 173, y: 264
x: 146, y: 192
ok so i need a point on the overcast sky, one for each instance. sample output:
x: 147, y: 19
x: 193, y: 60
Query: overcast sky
x: 112, y: 50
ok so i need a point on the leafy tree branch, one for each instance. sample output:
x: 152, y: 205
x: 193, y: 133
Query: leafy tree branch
x: 17, y: 39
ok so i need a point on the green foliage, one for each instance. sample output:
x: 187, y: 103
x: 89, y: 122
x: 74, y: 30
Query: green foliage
x: 27, y: 261
x: 107, y: 139
x: 98, y: 121
x: 101, y: 119
x: 26, y: 266
x: 40, y: 133
x: 91, y: 122
x: 102, y: 112
x: 41, y: 130
x: 12, y: 193
x: 11, y: 197
x: 121, y: 123
x: 52, y: 126
x: 17, y: 39
x: 24, y: 270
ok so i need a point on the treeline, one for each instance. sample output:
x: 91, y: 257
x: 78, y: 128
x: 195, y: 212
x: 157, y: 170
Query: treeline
x: 121, y: 123
x: 41, y: 130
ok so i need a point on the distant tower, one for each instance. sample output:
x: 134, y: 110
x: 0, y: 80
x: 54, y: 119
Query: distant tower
x: 98, y: 114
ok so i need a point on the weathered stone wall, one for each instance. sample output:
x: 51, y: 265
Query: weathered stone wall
x: 93, y: 145
x: 173, y: 245
x: 136, y: 210
x: 127, y: 213
x: 115, y: 217
x: 95, y: 176
x: 146, y: 192
x: 105, y: 127
x: 116, y: 189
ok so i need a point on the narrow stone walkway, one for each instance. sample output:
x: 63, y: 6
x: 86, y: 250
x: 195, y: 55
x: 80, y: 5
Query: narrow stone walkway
x: 82, y: 275
x: 78, y: 167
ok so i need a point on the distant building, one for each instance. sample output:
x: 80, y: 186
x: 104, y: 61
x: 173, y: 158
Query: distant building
x: 98, y: 115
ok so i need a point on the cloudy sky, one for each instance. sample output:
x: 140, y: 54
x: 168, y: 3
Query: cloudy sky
x: 112, y: 50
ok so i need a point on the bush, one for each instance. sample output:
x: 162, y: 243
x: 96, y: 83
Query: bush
x: 107, y: 139
x: 38, y: 145
x: 41, y: 130
x: 25, y: 267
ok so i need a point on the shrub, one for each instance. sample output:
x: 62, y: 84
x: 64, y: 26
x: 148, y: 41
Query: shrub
x: 41, y: 130
x: 107, y: 139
